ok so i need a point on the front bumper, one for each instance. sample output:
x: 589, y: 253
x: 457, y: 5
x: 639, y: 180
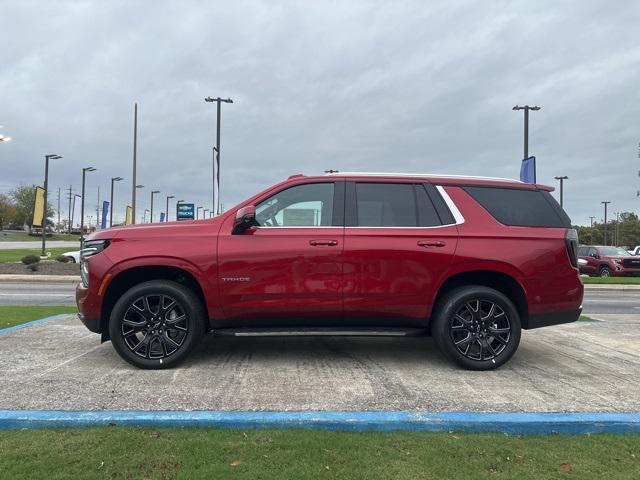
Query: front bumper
x: 538, y: 320
x: 88, y: 309
x: 92, y: 324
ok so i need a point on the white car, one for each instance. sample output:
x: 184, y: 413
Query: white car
x: 73, y: 256
x: 635, y: 251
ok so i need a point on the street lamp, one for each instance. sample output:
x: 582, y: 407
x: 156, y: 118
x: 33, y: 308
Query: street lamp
x: 198, y: 212
x: 526, y: 109
x: 166, y: 216
x: 84, y: 172
x: 4, y: 139
x: 113, y: 179
x: 153, y: 192
x: 51, y: 156
x: 216, y: 151
x: 562, y: 179
x: 144, y: 217
x: 605, y: 220
x: 204, y: 213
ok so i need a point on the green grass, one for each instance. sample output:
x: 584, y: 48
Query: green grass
x: 611, y: 280
x: 25, y: 237
x: 129, y: 452
x: 15, y: 255
x: 11, y: 316
x: 584, y: 318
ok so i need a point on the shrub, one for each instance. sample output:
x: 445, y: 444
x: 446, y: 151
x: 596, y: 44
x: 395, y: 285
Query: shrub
x: 63, y: 259
x: 30, y: 259
x: 33, y: 267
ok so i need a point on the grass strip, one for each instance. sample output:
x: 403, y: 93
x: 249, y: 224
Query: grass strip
x: 15, y: 255
x: 11, y: 316
x: 611, y: 280
x: 133, y: 452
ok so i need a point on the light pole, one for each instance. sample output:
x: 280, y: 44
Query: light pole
x: 84, y: 173
x: 216, y: 166
x: 616, y: 231
x: 153, y: 192
x: 4, y: 139
x: 113, y: 179
x: 177, y: 205
x: 166, y: 212
x: 134, y: 185
x: 73, y: 210
x: 605, y: 220
x: 526, y: 109
x: 204, y: 213
x: 562, y: 179
x: 198, y: 212
x: 144, y: 217
x: 51, y: 156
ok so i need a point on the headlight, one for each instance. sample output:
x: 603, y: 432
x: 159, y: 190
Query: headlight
x: 90, y: 248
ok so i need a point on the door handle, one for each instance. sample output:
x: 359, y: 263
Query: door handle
x: 431, y: 243
x: 318, y: 243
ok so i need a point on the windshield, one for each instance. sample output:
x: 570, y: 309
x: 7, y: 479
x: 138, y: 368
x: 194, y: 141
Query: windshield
x: 614, y: 251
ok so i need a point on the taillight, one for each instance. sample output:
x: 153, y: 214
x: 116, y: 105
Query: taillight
x: 572, y: 246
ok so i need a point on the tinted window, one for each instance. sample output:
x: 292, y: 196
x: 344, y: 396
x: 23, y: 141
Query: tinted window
x: 386, y: 205
x: 583, y: 251
x: 444, y: 213
x: 427, y: 215
x: 309, y: 205
x: 524, y: 208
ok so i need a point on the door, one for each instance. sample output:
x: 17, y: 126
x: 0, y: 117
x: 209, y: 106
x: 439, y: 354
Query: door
x: 593, y: 262
x: 287, y: 270
x: 399, y: 240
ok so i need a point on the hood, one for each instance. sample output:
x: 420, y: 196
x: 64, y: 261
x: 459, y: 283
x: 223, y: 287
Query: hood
x: 150, y: 230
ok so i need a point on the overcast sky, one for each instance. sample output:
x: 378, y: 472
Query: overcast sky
x: 349, y: 85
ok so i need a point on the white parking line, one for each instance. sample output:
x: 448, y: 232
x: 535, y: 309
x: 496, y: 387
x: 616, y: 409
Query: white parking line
x: 36, y: 295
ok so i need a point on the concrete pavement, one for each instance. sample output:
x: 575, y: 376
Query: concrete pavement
x: 584, y: 366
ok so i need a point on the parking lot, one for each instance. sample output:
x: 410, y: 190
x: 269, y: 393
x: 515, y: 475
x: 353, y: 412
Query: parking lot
x: 585, y: 366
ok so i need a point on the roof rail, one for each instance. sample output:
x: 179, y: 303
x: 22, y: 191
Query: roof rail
x: 421, y: 175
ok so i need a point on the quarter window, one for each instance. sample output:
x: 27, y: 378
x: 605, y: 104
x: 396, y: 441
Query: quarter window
x: 308, y: 205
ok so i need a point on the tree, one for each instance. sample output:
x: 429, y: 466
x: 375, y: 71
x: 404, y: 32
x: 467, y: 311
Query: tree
x: 7, y: 211
x: 24, y: 199
x: 627, y: 228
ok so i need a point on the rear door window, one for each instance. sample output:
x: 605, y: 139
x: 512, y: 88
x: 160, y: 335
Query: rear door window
x: 386, y: 205
x: 519, y: 207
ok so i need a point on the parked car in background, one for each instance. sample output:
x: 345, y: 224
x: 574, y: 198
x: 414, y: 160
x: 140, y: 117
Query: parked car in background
x: 635, y: 251
x: 74, y: 257
x: 607, y: 261
x: 470, y: 261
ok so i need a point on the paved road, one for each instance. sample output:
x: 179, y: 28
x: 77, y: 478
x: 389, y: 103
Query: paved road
x: 37, y: 293
x: 63, y: 294
x: 583, y: 366
x: 72, y: 245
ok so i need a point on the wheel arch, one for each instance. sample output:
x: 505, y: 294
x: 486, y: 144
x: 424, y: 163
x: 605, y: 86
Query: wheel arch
x: 132, y: 276
x: 499, y: 281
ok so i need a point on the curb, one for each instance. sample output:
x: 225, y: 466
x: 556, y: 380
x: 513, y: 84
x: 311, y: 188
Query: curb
x: 10, y: 278
x: 33, y: 322
x: 600, y: 287
x: 528, y: 423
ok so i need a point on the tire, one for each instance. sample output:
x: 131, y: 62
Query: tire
x: 462, y: 327
x: 156, y: 324
x: 605, y: 272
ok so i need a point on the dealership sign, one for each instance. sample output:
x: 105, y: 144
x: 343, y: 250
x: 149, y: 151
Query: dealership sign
x: 186, y: 211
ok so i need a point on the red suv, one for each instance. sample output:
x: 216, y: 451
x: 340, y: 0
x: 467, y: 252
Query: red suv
x: 467, y: 260
x: 608, y: 261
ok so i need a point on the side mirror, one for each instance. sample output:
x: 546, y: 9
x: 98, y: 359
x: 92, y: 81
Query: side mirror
x: 245, y: 218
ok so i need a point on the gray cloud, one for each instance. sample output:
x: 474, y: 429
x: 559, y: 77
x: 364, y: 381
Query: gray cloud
x: 380, y: 86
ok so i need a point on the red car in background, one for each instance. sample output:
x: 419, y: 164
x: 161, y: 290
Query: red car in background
x: 608, y: 261
x: 470, y: 261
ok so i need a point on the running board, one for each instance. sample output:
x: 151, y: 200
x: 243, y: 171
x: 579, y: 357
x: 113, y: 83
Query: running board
x: 320, y: 332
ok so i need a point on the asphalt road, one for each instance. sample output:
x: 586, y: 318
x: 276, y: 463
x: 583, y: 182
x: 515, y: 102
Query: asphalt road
x: 72, y: 245
x: 63, y: 294
x: 582, y: 366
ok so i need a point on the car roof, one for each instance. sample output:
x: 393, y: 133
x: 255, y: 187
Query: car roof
x: 440, y: 179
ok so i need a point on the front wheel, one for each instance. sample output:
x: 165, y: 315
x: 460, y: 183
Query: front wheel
x: 605, y: 272
x: 156, y: 324
x: 477, y: 327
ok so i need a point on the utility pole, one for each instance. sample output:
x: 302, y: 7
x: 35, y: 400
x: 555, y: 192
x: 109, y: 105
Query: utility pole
x: 605, y: 220
x: 135, y: 153
x: 562, y: 179
x: 216, y: 166
x: 616, y: 231
x: 526, y: 109
x: 59, y: 192
x: 591, y: 231
x: 44, y: 209
x: 70, y: 197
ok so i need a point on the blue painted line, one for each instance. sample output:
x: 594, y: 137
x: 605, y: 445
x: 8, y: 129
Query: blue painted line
x: 33, y: 322
x: 508, y: 423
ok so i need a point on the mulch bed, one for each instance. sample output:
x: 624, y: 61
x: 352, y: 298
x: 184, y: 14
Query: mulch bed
x: 44, y: 268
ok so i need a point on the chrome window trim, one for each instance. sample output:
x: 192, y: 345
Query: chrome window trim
x: 457, y: 216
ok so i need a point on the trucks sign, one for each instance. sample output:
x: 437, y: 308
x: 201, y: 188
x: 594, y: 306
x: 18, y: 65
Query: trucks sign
x: 186, y: 211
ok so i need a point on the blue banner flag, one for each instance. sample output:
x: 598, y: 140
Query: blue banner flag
x: 528, y: 170
x: 161, y: 217
x: 105, y: 213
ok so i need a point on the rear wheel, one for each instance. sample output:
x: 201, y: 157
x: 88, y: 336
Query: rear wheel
x: 477, y: 327
x: 156, y: 324
x: 605, y: 271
